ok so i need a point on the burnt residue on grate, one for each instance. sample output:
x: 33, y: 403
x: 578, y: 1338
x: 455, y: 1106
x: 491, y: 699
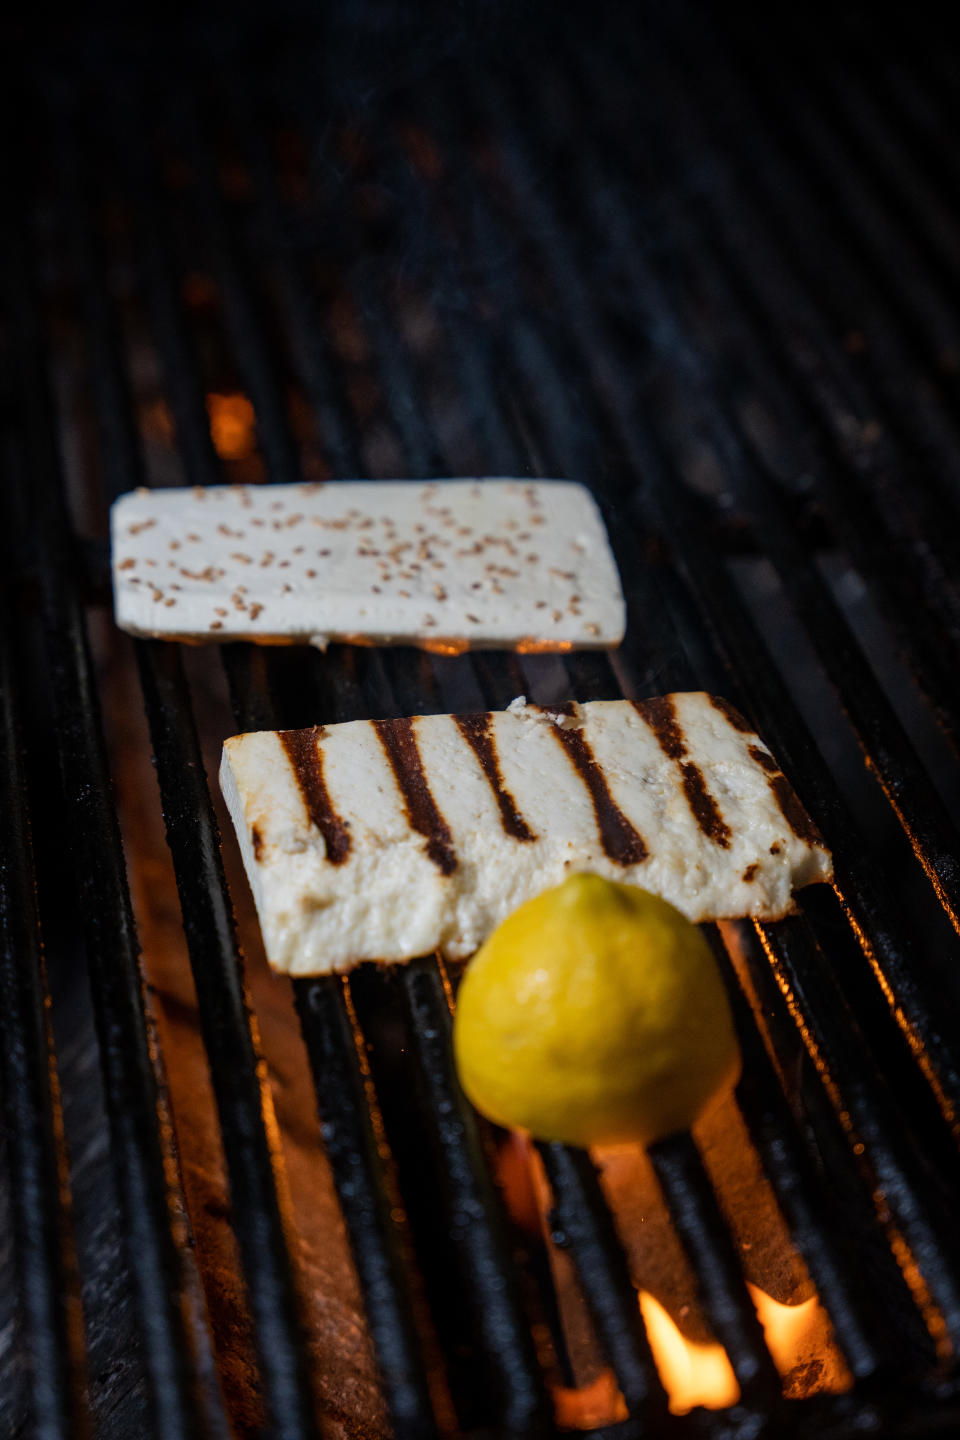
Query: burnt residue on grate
x: 707, y: 263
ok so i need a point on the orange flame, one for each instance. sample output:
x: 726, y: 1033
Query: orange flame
x: 788, y: 1329
x: 692, y: 1374
x: 695, y: 1374
x: 231, y: 425
x: 800, y: 1339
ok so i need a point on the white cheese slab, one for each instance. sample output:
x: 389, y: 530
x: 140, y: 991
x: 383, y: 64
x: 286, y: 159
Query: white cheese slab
x: 387, y: 840
x: 445, y: 565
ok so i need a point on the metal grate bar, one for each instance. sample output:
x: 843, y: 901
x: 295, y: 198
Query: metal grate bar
x: 348, y: 1134
x: 919, y: 1203
x: 919, y: 109
x: 31, y: 1102
x: 811, y: 1215
x: 581, y: 1220
x: 421, y: 451
x: 242, y: 307
x: 426, y: 1197
x: 131, y: 141
x: 243, y: 1100
x: 303, y: 320
x: 471, y: 348
x: 882, y: 931
x: 476, y: 1214
x: 843, y: 159
x: 130, y: 1080
x: 699, y: 1223
x: 351, y: 1148
x: 923, y: 215
x: 698, y: 568
x: 912, y: 514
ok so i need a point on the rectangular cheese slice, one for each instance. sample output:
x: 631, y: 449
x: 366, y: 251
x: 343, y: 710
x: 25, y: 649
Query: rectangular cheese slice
x: 384, y: 840
x: 446, y: 565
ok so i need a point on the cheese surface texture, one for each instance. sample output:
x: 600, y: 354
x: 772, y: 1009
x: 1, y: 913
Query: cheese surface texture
x: 384, y: 840
x: 443, y: 564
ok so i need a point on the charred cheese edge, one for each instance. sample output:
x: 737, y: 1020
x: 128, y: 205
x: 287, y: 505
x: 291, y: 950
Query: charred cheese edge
x: 384, y: 840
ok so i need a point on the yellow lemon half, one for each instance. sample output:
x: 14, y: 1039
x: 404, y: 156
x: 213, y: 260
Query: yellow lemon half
x: 595, y: 1015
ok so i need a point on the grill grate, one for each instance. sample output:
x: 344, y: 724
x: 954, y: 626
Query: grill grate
x: 636, y: 253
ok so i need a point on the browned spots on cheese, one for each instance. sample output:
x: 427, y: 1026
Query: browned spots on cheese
x: 661, y: 716
x: 306, y: 759
x: 782, y: 791
x: 210, y: 574
x: 477, y: 730
x: 731, y: 713
x: 257, y: 841
x: 620, y: 840
x: 399, y: 740
x: 750, y: 872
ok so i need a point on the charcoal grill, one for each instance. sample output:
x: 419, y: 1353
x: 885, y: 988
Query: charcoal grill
x: 711, y: 266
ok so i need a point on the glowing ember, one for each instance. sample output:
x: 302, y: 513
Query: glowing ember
x: 599, y: 1403
x: 529, y: 645
x: 232, y: 424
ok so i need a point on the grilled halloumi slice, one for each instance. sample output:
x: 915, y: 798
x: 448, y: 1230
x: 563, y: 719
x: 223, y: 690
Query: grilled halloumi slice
x: 446, y: 565
x: 384, y: 840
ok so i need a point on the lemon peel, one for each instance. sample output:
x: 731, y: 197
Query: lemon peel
x: 595, y: 1015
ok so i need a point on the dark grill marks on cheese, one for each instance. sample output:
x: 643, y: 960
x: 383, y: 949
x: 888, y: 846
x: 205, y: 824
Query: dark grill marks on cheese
x: 257, y: 841
x: 306, y: 758
x: 732, y: 714
x: 399, y: 740
x: 661, y: 716
x: 477, y: 730
x: 619, y: 839
x: 782, y: 791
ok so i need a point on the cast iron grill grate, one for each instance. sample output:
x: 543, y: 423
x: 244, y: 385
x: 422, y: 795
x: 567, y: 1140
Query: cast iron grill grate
x: 732, y: 305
